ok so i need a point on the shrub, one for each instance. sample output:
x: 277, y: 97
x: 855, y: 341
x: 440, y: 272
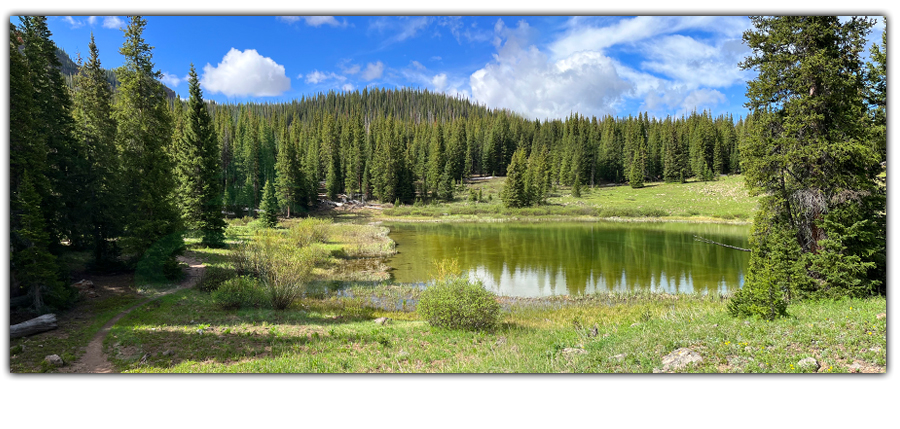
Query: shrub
x: 213, y: 277
x: 456, y: 303
x: 238, y: 292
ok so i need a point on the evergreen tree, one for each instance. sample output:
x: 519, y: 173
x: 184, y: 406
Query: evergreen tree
x: 96, y: 129
x: 64, y: 211
x: 513, y: 193
x: 153, y: 232
x: 198, y: 171
x: 807, y: 154
x: 32, y: 264
x: 269, y: 206
x: 876, y: 94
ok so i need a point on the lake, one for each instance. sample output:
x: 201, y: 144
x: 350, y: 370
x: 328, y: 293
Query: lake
x: 544, y: 259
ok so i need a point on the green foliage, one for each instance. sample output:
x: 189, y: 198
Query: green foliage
x: 513, y: 193
x: 96, y: 129
x: 213, y: 277
x: 239, y: 292
x: 158, y: 263
x: 456, y: 303
x: 269, y: 206
x: 197, y: 169
x: 806, y: 151
x: 143, y: 134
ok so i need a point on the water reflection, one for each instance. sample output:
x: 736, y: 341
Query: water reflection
x: 542, y: 259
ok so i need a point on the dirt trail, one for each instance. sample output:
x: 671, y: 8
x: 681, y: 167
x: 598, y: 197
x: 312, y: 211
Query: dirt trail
x: 94, y: 360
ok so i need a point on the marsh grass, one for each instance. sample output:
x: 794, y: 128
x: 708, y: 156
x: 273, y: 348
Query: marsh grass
x: 720, y: 200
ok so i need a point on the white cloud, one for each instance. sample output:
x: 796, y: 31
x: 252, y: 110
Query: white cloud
x: 74, y: 23
x: 439, y: 81
x: 525, y: 80
x: 171, y: 80
x: 289, y: 19
x: 317, y: 77
x: 246, y: 73
x: 436, y: 58
x: 373, y: 71
x: 405, y: 27
x: 348, y: 68
x: 113, y: 22
x: 92, y: 20
x: 348, y: 87
x: 417, y: 65
x: 582, y: 37
x: 314, y: 21
x: 694, y: 63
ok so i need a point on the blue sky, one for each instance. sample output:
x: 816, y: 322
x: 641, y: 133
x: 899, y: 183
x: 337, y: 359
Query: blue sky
x: 539, y: 66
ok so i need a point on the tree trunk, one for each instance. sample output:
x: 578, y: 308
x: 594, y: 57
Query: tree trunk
x: 33, y: 326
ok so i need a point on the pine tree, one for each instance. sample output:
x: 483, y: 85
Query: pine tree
x: 198, y: 171
x: 269, y: 206
x: 32, y: 264
x: 876, y: 94
x: 808, y: 155
x: 153, y: 231
x: 63, y: 208
x: 96, y: 129
x: 513, y: 193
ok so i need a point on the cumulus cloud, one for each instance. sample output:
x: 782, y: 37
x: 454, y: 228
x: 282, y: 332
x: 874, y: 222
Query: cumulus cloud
x: 439, y: 81
x: 348, y: 87
x: 373, y: 71
x: 92, y: 20
x: 695, y: 63
x: 113, y: 22
x: 524, y: 79
x: 246, y: 73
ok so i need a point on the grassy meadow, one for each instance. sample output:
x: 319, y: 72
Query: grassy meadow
x: 723, y: 200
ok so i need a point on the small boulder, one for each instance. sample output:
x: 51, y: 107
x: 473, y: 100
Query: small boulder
x: 680, y: 358
x: 809, y: 364
x: 168, y: 353
x: 54, y: 360
x: 855, y: 367
x: 383, y: 320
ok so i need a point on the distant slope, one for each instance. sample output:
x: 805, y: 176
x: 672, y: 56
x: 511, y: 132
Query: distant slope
x: 69, y: 69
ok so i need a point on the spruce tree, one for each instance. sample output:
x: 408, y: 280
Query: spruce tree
x: 269, y: 206
x: 198, y: 171
x: 513, y: 193
x: 96, y: 129
x: 807, y: 154
x: 153, y: 231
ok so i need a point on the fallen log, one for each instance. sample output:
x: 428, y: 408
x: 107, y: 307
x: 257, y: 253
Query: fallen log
x: 34, y: 326
x: 708, y: 241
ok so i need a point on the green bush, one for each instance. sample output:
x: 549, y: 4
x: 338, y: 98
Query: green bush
x: 213, y: 277
x: 238, y: 292
x: 456, y: 303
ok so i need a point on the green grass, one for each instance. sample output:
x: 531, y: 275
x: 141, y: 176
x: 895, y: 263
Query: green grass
x: 338, y: 335
x: 721, y: 200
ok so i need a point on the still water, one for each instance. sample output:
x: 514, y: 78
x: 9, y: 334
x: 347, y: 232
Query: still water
x: 544, y: 259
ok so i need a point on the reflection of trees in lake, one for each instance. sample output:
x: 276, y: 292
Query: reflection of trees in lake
x: 552, y: 259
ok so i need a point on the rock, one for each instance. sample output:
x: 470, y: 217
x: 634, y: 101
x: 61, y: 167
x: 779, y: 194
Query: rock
x: 855, y: 367
x: 594, y: 331
x: 620, y: 357
x: 809, y: 364
x: 168, y: 353
x: 54, y: 360
x: 83, y: 284
x: 383, y: 320
x: 572, y: 350
x: 680, y: 358
x: 881, y: 316
x: 875, y: 349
